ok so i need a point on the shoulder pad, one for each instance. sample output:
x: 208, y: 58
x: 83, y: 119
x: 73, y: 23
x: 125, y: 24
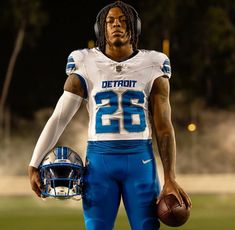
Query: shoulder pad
x: 161, y: 59
x: 74, y: 61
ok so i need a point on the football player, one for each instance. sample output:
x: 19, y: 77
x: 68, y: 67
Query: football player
x: 120, y: 84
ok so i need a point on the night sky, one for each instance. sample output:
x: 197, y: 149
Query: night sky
x: 39, y: 73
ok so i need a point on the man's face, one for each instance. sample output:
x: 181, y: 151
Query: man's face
x: 116, y: 28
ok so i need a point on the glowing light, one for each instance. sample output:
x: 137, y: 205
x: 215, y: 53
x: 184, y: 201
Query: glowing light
x: 192, y: 127
x: 166, y: 47
x: 91, y: 44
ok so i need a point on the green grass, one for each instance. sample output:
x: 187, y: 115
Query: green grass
x: 210, y: 212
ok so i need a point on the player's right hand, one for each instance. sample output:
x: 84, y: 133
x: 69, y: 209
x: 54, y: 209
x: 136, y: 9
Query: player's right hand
x: 35, y: 181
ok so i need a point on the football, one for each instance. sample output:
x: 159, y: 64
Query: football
x: 171, y: 213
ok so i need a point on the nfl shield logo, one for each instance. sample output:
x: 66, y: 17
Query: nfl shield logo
x: 118, y: 68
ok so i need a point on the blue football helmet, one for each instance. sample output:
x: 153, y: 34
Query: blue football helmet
x: 61, y: 173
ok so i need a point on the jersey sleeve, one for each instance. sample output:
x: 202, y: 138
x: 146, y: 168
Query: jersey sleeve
x: 161, y: 65
x: 74, y: 62
x: 75, y: 65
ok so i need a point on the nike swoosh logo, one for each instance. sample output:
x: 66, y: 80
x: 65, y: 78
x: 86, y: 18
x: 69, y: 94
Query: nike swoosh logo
x: 146, y: 161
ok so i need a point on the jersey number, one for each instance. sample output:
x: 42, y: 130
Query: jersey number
x: 128, y: 110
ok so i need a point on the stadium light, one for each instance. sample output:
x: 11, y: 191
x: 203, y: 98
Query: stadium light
x: 166, y: 46
x: 192, y: 127
x: 91, y: 44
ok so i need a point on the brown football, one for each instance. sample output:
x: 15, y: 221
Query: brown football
x: 171, y: 213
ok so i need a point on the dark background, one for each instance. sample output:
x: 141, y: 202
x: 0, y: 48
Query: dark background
x: 201, y: 35
x: 39, y: 73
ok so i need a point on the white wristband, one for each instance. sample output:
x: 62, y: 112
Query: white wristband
x: 66, y: 107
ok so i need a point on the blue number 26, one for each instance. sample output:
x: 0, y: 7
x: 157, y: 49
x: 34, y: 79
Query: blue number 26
x: 128, y: 110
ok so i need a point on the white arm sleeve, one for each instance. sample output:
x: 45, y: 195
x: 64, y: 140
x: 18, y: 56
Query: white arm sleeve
x: 65, y: 109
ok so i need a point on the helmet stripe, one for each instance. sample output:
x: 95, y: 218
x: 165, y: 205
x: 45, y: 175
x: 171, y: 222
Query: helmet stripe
x: 65, y: 153
x: 58, y: 153
x: 62, y: 153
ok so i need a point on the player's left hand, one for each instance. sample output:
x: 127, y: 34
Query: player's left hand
x: 171, y: 187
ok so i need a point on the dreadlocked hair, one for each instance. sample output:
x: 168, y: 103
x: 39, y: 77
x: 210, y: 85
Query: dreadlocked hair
x: 131, y: 17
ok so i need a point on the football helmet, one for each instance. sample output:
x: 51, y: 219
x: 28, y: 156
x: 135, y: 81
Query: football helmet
x: 61, y: 173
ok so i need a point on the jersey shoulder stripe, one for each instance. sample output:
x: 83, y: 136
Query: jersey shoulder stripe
x: 75, y: 59
x: 161, y: 60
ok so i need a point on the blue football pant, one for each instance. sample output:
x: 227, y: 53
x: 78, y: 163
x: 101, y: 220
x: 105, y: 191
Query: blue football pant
x: 110, y: 177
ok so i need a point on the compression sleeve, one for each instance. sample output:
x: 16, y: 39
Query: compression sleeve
x: 66, y: 107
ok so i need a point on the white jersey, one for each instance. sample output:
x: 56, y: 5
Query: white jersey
x: 118, y: 92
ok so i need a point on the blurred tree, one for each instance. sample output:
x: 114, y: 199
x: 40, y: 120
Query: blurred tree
x: 27, y: 18
x: 202, y: 42
x: 158, y: 18
x: 218, y: 56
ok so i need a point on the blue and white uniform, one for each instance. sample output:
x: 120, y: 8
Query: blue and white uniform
x: 119, y: 153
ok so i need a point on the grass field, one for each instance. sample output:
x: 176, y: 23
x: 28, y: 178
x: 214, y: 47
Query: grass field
x: 210, y: 212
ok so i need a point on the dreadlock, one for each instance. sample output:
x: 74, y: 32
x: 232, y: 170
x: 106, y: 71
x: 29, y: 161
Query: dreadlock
x: 131, y: 17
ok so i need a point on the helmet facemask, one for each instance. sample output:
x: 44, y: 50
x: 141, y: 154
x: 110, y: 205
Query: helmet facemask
x: 62, y: 178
